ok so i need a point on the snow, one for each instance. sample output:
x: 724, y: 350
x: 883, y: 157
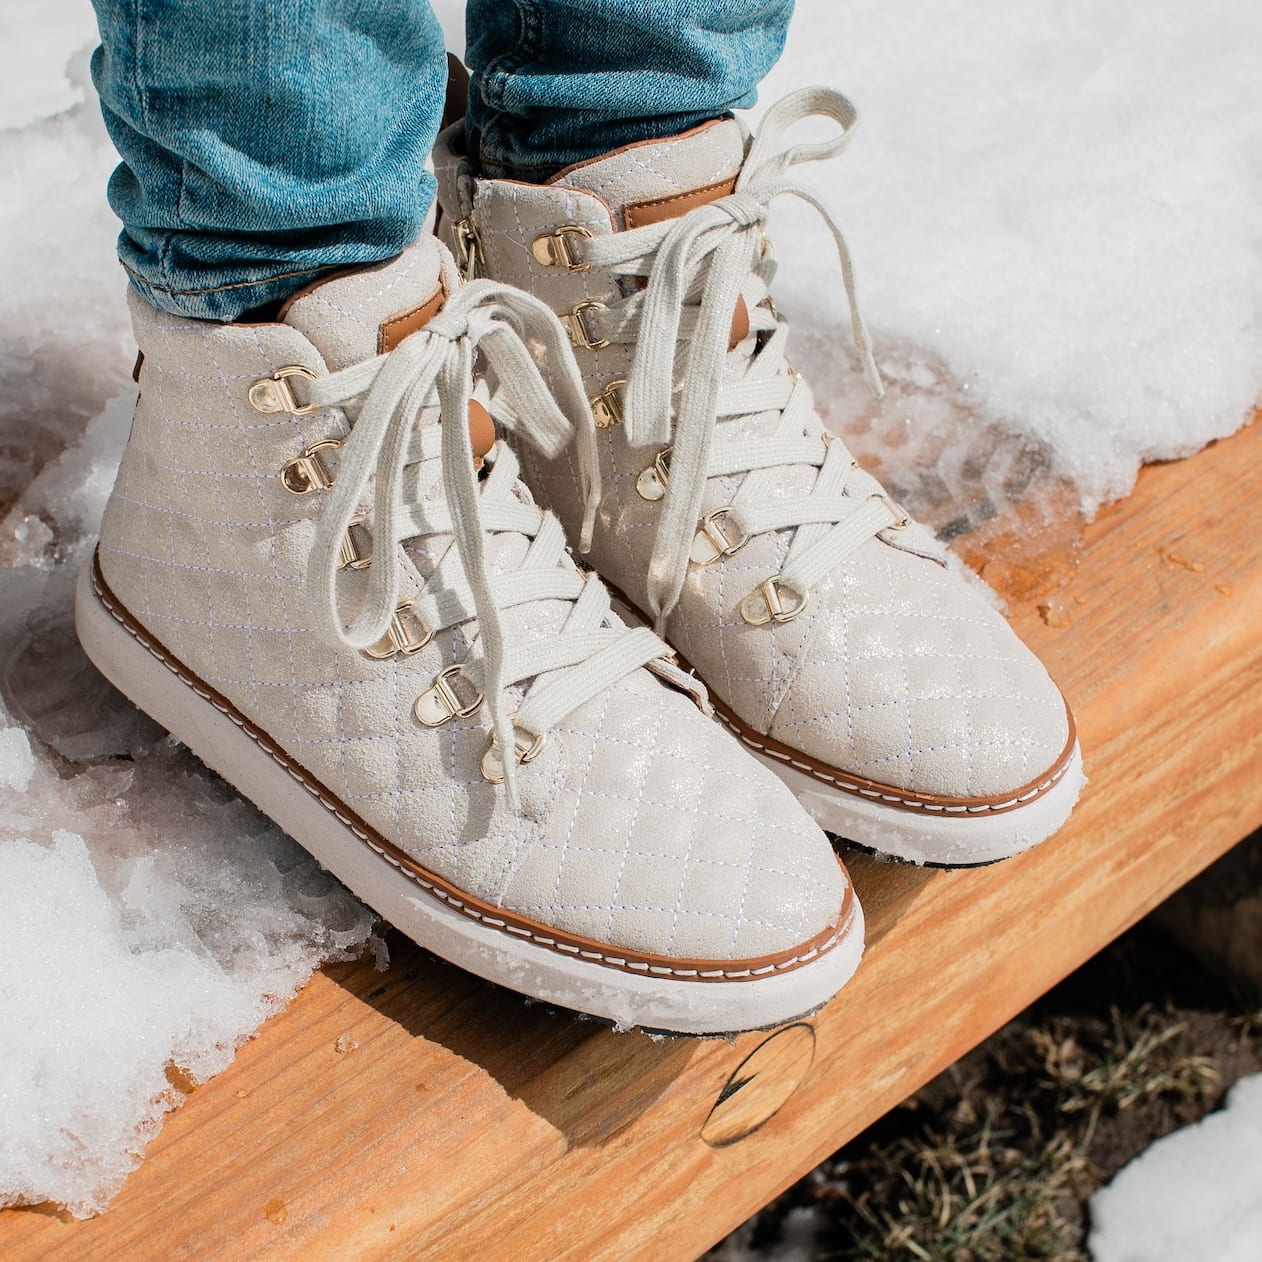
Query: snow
x: 153, y: 920
x: 17, y: 763
x: 1193, y: 1195
x: 801, y: 1239
x: 38, y: 38
x: 1053, y: 213
x: 165, y: 946
x: 1059, y: 258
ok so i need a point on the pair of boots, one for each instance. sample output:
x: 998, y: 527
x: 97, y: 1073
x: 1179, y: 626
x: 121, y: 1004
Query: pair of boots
x: 322, y: 569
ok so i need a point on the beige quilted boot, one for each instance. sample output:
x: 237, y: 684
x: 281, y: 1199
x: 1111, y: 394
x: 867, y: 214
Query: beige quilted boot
x: 836, y: 644
x: 349, y: 609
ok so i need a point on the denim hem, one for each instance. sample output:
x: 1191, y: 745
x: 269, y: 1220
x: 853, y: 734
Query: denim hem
x: 556, y: 82
x: 536, y: 173
x: 497, y: 161
x: 264, y: 141
x: 223, y: 303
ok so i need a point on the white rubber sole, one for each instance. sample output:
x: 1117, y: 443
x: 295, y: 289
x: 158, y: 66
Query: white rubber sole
x: 945, y: 837
x: 952, y: 837
x: 628, y: 999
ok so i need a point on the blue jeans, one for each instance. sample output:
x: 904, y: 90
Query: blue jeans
x: 264, y: 141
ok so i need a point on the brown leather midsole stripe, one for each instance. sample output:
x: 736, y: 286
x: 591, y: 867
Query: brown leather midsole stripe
x: 902, y: 799
x: 874, y: 790
x: 497, y: 918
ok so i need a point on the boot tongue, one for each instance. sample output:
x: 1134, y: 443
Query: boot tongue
x: 356, y: 315
x: 656, y: 180
x: 352, y: 316
x: 661, y: 179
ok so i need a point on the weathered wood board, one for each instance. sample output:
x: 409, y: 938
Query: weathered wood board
x: 422, y: 1114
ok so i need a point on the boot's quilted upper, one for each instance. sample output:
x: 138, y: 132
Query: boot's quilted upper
x: 643, y: 824
x: 896, y: 672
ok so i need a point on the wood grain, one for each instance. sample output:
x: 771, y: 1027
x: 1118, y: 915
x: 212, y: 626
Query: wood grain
x: 456, y: 1122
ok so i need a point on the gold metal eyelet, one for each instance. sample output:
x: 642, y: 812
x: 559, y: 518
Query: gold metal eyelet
x: 466, y: 247
x: 577, y: 326
x: 651, y: 484
x: 556, y: 248
x: 306, y: 473
x: 275, y: 394
x: 901, y: 519
x: 440, y: 702
x: 526, y: 747
x: 711, y: 543
x: 765, y: 603
x: 405, y: 635
x: 607, y: 406
x: 353, y: 556
x: 829, y: 439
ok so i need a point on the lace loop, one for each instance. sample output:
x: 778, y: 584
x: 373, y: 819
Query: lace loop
x: 697, y: 267
x: 385, y: 454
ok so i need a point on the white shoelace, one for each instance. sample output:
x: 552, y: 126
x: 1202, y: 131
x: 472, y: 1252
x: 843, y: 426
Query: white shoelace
x: 425, y: 483
x: 697, y: 267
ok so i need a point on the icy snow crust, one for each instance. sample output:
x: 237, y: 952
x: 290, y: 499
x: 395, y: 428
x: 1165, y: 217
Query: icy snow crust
x: 1053, y: 211
x: 152, y: 920
x: 1058, y: 254
x: 1192, y: 1196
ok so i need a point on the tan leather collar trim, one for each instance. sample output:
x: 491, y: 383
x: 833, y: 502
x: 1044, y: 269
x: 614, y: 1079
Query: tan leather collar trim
x: 874, y: 790
x: 635, y: 144
x: 495, y: 917
x: 392, y: 331
x: 675, y: 205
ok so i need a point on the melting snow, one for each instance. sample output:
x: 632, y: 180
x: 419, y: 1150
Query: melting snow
x: 1194, y: 1195
x: 1053, y: 210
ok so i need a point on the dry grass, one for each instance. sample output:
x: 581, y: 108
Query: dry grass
x: 1006, y: 1175
x: 983, y: 1200
x: 995, y: 1159
x: 1147, y: 1057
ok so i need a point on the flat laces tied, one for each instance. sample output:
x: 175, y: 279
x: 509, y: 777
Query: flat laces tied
x: 702, y: 260
x: 484, y: 319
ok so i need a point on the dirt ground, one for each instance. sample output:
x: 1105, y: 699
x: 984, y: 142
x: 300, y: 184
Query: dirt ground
x: 994, y: 1160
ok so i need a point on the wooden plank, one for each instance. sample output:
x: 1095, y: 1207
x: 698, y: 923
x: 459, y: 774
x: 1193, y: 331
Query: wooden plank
x: 457, y: 1123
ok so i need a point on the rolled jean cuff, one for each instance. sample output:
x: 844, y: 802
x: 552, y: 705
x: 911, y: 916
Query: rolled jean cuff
x: 223, y: 303
x: 205, y: 275
x: 263, y: 141
x: 502, y: 155
x: 555, y: 82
